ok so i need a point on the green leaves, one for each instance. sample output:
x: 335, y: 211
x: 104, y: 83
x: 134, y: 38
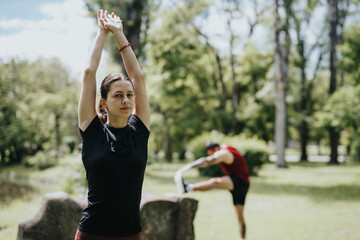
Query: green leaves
x: 34, y: 95
x: 350, y: 50
x: 342, y: 109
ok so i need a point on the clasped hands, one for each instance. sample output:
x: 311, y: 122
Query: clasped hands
x: 109, y: 22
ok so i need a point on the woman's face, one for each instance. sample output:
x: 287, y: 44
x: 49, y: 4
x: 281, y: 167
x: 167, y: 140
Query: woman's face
x: 120, y: 100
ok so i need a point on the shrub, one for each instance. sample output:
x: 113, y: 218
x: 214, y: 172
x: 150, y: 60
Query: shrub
x: 355, y: 149
x: 70, y: 142
x: 76, y: 183
x: 41, y: 160
x: 255, y: 151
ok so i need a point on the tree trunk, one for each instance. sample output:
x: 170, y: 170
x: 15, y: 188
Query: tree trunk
x: 133, y: 12
x: 281, y: 64
x: 304, y: 137
x: 304, y: 98
x: 333, y: 24
x: 57, y: 136
x: 167, y: 142
x: 2, y: 158
x: 235, y: 95
x: 334, y: 143
x: 280, y: 123
x: 221, y: 79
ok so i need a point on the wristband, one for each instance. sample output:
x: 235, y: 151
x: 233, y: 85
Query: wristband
x: 127, y: 45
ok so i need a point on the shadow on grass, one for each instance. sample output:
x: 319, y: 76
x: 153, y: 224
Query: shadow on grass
x: 319, y: 164
x: 338, y: 192
x: 11, y: 190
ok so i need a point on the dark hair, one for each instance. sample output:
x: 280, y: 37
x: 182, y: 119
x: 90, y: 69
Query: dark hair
x: 104, y: 90
x: 211, y: 145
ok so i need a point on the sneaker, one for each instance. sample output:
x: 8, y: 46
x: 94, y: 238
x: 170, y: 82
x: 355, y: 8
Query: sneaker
x: 185, y: 184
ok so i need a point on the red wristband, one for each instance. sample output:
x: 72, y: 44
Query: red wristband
x: 127, y: 45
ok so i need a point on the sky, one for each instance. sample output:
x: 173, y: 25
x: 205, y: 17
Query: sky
x: 46, y: 28
x: 63, y: 29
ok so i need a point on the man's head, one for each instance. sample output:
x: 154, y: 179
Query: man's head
x: 212, y: 147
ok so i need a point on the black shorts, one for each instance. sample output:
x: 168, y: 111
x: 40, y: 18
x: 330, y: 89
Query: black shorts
x: 240, y: 190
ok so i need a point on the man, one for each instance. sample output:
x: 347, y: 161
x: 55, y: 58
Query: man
x: 236, y: 178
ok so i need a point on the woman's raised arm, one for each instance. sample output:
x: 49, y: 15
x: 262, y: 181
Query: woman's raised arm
x: 86, y: 108
x: 142, y: 107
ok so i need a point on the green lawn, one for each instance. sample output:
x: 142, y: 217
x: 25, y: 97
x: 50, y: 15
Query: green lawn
x: 305, y: 201
x: 22, y: 190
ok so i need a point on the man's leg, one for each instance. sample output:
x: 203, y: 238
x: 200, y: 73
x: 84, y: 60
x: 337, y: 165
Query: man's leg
x: 224, y: 182
x: 239, y: 212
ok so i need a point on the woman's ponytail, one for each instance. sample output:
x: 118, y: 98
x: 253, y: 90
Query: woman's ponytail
x: 102, y: 113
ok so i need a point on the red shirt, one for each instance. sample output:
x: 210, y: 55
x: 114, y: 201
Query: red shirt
x: 237, y: 167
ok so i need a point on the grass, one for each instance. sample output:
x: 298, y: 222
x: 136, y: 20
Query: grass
x: 305, y: 201
x: 22, y: 190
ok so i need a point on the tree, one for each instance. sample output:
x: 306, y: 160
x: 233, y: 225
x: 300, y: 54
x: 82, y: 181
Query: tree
x: 304, y: 109
x: 342, y: 111
x: 258, y: 105
x: 38, y: 107
x: 136, y: 15
x: 350, y: 55
x: 236, y: 92
x: 180, y: 79
x: 187, y: 72
x: 281, y: 61
x: 350, y: 113
x: 336, y: 18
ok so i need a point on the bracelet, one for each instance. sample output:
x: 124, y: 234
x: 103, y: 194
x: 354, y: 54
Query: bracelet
x: 127, y: 45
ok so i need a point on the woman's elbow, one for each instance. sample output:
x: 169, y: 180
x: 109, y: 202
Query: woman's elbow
x: 89, y: 71
x: 89, y: 75
x: 138, y: 76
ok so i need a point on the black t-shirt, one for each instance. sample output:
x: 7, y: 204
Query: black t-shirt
x: 115, y: 161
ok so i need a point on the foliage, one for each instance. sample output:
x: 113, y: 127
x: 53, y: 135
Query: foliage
x: 38, y: 105
x: 350, y: 51
x: 76, y: 182
x: 186, y: 91
x: 178, y: 77
x: 189, y: 76
x: 355, y: 148
x: 255, y: 151
x: 41, y: 160
x: 343, y: 112
x: 350, y: 95
x: 134, y: 13
x: 257, y: 110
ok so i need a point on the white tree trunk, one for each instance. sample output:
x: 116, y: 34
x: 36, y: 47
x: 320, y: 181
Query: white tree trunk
x: 280, y: 88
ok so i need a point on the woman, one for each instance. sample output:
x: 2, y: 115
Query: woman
x: 114, y: 141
